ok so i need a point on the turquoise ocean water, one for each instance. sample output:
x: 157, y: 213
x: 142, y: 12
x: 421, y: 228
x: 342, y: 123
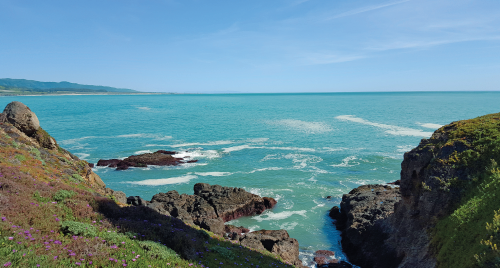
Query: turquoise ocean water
x: 296, y: 148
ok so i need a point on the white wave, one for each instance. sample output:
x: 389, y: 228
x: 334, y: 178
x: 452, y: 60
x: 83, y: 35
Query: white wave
x: 303, y: 159
x: 304, y: 126
x: 82, y: 156
x: 264, y: 169
x: 144, y: 108
x: 77, y: 140
x: 143, y: 135
x: 143, y: 152
x: 404, y: 148
x: 345, y: 162
x: 196, y: 154
x: 243, y: 147
x: 289, y: 225
x: 213, y: 174
x: 201, y: 144
x: 258, y: 140
x: 429, y: 125
x: 271, y: 216
x: 253, y: 228
x: 173, y: 180
x: 292, y: 149
x: 389, y: 129
x: 328, y: 149
x: 238, y: 148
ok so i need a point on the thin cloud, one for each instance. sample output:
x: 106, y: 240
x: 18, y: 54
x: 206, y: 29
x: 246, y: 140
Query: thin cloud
x: 327, y: 58
x: 365, y: 9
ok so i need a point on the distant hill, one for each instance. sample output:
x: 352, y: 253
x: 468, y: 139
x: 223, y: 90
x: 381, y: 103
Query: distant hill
x: 58, y: 86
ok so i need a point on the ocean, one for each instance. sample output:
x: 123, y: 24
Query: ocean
x: 296, y: 148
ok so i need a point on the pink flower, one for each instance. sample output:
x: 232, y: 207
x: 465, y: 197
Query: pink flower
x: 133, y: 259
x: 7, y: 264
x: 10, y: 237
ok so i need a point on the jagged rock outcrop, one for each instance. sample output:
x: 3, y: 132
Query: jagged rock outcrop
x: 211, y: 205
x: 435, y: 178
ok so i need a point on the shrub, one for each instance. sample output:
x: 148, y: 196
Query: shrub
x: 156, y: 250
x: 76, y: 178
x: 60, y: 195
x: 78, y: 228
x: 20, y: 157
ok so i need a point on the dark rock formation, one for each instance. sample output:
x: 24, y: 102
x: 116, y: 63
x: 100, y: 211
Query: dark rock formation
x: 379, y: 232
x: 136, y: 201
x: 361, y: 220
x: 275, y: 241
x: 21, y: 117
x: 211, y: 205
x: 159, y: 158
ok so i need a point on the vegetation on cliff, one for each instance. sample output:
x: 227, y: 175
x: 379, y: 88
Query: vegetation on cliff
x: 54, y: 213
x: 469, y: 234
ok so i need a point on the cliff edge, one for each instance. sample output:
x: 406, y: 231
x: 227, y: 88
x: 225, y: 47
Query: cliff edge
x: 446, y: 212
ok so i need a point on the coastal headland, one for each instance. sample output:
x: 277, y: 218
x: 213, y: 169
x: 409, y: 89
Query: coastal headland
x: 445, y: 213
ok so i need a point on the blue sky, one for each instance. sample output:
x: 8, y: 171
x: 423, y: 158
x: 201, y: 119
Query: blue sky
x: 197, y: 46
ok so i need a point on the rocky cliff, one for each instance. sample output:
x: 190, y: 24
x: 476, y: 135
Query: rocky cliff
x: 445, y: 213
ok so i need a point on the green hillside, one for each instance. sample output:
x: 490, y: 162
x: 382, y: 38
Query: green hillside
x: 38, y: 86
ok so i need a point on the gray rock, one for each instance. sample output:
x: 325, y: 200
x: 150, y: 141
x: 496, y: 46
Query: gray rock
x: 136, y: 201
x: 22, y: 117
x: 3, y: 118
x: 120, y: 197
x: 275, y: 241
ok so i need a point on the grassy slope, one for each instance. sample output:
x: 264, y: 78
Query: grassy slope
x: 51, y: 217
x: 468, y: 236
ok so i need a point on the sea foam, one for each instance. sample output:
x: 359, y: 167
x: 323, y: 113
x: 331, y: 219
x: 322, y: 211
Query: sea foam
x: 173, y: 180
x: 271, y: 216
x: 389, y: 129
x: 303, y: 126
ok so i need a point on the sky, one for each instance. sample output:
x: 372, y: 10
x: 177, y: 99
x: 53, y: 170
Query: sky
x: 257, y: 46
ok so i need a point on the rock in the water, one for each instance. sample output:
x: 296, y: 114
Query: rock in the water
x: 323, y: 257
x: 20, y: 116
x: 361, y: 220
x: 159, y: 158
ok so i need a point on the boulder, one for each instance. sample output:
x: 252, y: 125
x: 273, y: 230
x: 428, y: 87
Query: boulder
x: 20, y: 116
x: 275, y: 241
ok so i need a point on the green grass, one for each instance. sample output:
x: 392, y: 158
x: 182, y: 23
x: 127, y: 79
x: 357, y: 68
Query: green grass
x: 462, y: 239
